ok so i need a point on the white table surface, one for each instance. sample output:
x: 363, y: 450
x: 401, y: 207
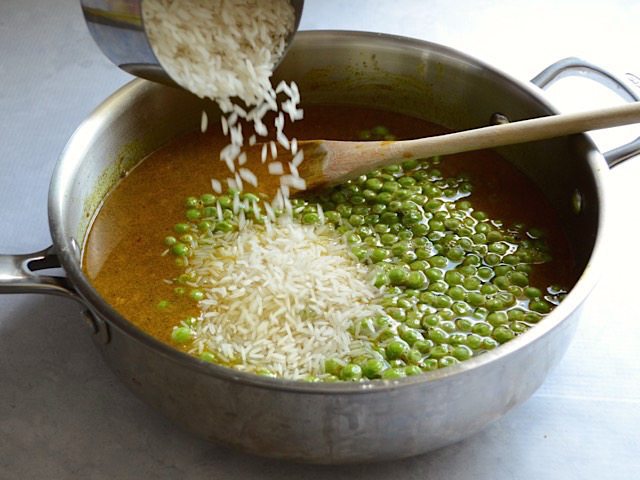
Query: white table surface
x: 64, y: 415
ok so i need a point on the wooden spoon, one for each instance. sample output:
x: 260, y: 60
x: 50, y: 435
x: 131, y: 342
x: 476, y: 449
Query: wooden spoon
x: 328, y: 162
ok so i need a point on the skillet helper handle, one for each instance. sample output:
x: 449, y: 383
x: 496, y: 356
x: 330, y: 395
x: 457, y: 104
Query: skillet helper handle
x: 17, y: 274
x: 569, y: 67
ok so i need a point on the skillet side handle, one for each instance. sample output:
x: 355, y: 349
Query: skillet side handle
x: 570, y: 67
x: 17, y: 275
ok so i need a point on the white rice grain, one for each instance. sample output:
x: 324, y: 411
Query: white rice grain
x: 275, y: 168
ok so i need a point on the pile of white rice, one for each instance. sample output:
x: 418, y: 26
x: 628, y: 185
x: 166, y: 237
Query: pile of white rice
x: 226, y: 50
x: 279, y: 299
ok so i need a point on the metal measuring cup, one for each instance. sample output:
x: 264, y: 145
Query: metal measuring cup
x: 117, y: 27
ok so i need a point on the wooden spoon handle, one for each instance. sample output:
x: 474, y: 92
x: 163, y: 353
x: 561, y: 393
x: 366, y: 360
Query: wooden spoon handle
x: 349, y: 159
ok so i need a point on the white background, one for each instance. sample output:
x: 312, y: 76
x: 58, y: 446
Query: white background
x: 64, y: 415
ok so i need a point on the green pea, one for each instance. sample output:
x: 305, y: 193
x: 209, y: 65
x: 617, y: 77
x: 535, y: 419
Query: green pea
x: 462, y: 352
x: 502, y: 282
x: 455, y: 254
x: 434, y: 274
x: 430, y: 321
x: 397, y: 313
x: 333, y: 366
x: 489, y: 343
x: 439, y: 351
x: 410, y: 335
x: 390, y: 186
x: 479, y: 215
x: 480, y: 313
x: 191, y: 202
x: 310, y: 218
x: 532, y: 292
x: 488, y: 289
x: 511, y: 259
x: 492, y: 259
x: 476, y: 299
x: 423, y: 253
x: 502, y: 334
x: 398, y: 276
x: 209, y: 212
x: 438, y: 286
x: 532, y: 317
x: 472, y: 260
x: 518, y: 327
x: 248, y: 196
x: 396, y: 349
x: 429, y: 364
x: 170, y: 241
x: 381, y: 279
x: 332, y: 216
x: 395, y: 206
x: 393, y: 373
x: 208, y: 199
x: 447, y: 361
x: 181, y: 334
x: 374, y: 184
x: 181, y: 228
x: 419, y: 265
x: 206, y: 226
x: 383, y: 198
x: 423, y: 346
x: 193, y: 214
x: 463, y: 325
x: 522, y: 267
x: 474, y: 341
x: 207, y: 357
x: 503, y: 270
x: 479, y: 238
x: 224, y: 226
x: 497, y: 318
x: 416, y: 279
x: 482, y: 328
x: 380, y: 131
x: 436, y: 225
x: 409, y: 165
x: 381, y: 228
x: 180, y: 291
x: 371, y: 220
x: 359, y: 252
x: 389, y: 218
x: 539, y: 306
x: 438, y: 335
x: 399, y: 248
x: 453, y: 278
x: 379, y: 254
x: 351, y: 372
x: 180, y: 249
x: 438, y: 261
x: 494, y: 236
x: 163, y: 304
x: 196, y: 295
x: 472, y: 283
x: 420, y: 229
x: 485, y: 273
x: 186, y: 277
x: 498, y: 247
x: 373, y: 368
x: 443, y: 301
